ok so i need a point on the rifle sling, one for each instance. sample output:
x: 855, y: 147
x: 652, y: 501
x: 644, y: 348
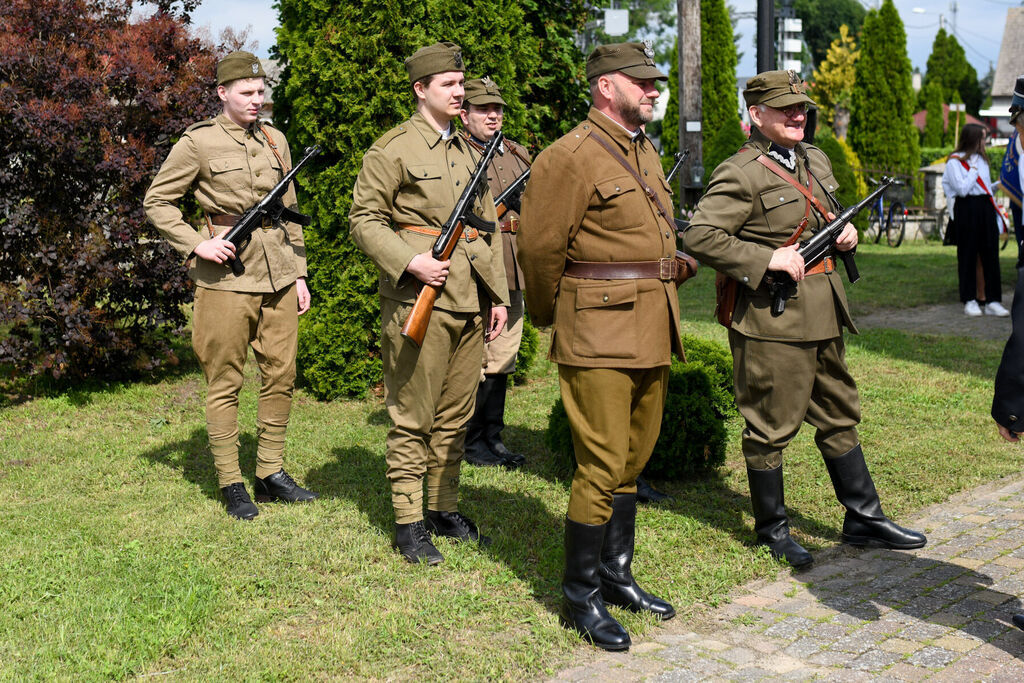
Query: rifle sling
x: 806, y: 192
x: 651, y: 194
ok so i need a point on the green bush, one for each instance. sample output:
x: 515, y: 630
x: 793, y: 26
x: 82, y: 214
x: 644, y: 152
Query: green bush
x: 692, y: 438
x: 527, y: 351
x: 929, y: 155
x: 845, y: 176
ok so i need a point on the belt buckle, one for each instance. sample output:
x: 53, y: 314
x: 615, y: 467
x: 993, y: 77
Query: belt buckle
x: 470, y: 234
x: 667, y: 268
x: 513, y: 225
x: 830, y: 264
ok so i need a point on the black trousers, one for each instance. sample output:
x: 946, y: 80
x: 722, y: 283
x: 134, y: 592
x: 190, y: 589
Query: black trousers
x: 977, y: 235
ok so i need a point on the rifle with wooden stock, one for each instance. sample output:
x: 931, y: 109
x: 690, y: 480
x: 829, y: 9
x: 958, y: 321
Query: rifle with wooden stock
x: 415, y: 327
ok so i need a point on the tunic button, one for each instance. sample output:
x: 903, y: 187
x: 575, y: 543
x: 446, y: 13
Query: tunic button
x: 257, y: 174
x: 1013, y: 418
x: 456, y: 183
x: 254, y: 152
x: 453, y: 164
x: 472, y: 257
x: 616, y: 188
x: 746, y: 279
x: 645, y: 171
x: 782, y: 199
x: 604, y: 298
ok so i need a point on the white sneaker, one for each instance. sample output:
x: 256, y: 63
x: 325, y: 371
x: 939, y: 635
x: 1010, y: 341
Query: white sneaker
x: 995, y: 308
x: 972, y: 309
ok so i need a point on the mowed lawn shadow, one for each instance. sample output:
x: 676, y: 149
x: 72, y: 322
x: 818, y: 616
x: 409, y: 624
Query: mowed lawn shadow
x: 191, y: 457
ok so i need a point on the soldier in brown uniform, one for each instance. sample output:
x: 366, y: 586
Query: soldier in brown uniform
x: 482, y: 116
x: 789, y: 368
x: 598, y: 255
x: 409, y: 183
x: 232, y: 161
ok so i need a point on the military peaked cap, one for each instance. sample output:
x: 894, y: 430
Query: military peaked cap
x: 481, y: 91
x: 1017, y: 103
x: 776, y: 89
x: 239, y: 64
x: 632, y: 59
x: 434, y: 59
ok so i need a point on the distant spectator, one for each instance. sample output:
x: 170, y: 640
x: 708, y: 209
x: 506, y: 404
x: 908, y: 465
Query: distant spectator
x: 966, y: 183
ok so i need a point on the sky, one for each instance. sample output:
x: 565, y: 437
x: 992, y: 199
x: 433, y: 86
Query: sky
x: 979, y: 26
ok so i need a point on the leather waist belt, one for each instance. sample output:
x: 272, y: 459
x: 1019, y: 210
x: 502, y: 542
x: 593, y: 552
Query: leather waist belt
x: 826, y: 265
x: 228, y: 220
x: 469, y: 234
x: 511, y: 225
x: 663, y: 269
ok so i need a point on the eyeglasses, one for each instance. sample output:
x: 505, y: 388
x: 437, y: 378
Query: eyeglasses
x: 794, y: 110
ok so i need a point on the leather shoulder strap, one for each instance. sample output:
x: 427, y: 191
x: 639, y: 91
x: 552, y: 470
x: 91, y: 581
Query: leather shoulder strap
x: 651, y: 194
x: 273, y: 148
x: 806, y: 192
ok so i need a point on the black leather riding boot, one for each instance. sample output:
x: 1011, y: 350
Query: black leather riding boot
x: 865, y: 523
x: 582, y: 607
x: 618, y: 587
x: 477, y: 452
x: 494, y: 421
x: 770, y: 521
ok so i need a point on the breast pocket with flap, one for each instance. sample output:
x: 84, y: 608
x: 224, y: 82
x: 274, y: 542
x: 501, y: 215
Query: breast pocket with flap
x: 426, y: 182
x: 783, y: 208
x: 623, y: 204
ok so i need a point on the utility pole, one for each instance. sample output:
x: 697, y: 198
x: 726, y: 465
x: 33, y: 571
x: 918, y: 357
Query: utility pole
x: 765, y: 35
x: 691, y: 177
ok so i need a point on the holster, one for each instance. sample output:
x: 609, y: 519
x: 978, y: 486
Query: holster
x: 687, y: 267
x: 726, y: 291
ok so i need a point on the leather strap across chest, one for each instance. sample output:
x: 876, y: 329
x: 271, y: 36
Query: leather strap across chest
x: 805, y: 191
x: 648, y: 190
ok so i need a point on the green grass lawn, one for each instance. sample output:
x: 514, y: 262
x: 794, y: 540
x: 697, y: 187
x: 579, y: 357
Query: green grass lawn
x: 117, y: 559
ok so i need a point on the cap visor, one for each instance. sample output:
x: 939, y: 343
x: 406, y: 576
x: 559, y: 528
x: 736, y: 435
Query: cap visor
x: 481, y: 100
x: 1014, y: 115
x: 787, y: 100
x: 644, y: 71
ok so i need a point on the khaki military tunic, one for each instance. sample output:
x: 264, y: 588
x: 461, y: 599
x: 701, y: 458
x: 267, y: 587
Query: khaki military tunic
x: 510, y: 161
x: 413, y: 176
x: 789, y: 368
x: 612, y: 339
x: 230, y: 168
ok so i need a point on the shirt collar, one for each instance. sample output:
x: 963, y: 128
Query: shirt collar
x: 613, y: 129
x: 431, y: 135
x: 233, y: 129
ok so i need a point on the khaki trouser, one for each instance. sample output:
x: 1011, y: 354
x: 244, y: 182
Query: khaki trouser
x: 225, y: 324
x: 500, y: 353
x: 615, y: 418
x: 780, y: 385
x: 430, y: 393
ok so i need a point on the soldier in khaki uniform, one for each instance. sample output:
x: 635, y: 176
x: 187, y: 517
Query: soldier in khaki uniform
x: 789, y: 368
x: 409, y: 183
x: 482, y: 116
x: 598, y: 256
x: 231, y: 162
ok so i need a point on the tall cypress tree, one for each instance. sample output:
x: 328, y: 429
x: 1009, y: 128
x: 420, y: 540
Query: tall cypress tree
x: 949, y: 69
x: 882, y: 130
x: 345, y: 84
x: 933, y: 129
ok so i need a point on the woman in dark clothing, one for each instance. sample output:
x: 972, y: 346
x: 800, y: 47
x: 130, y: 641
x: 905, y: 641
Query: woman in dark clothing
x: 967, y: 184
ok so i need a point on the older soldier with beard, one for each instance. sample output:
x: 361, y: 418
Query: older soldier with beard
x: 597, y: 247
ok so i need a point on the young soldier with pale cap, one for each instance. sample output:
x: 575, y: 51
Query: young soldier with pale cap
x: 788, y: 368
x: 598, y: 244
x: 231, y: 162
x: 483, y: 111
x: 409, y: 183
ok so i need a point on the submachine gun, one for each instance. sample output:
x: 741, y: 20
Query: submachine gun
x: 270, y: 209
x: 781, y: 285
x: 415, y: 327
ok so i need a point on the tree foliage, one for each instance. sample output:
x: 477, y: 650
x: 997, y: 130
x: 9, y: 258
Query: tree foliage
x: 882, y: 130
x: 934, y: 128
x: 949, y: 69
x: 832, y: 82
x: 345, y: 85
x: 89, y: 104
x: 821, y: 21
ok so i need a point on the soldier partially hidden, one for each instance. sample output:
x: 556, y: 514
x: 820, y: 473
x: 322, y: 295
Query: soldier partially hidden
x: 232, y: 161
x: 598, y: 246
x: 482, y: 116
x: 410, y: 181
x: 788, y: 368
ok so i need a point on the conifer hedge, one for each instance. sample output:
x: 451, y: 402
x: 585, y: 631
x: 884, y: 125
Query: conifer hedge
x: 344, y: 85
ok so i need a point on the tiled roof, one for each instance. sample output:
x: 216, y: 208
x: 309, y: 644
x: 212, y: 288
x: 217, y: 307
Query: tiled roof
x: 1011, y: 54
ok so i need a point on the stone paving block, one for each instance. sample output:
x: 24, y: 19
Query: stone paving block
x: 922, y: 631
x: 737, y: 656
x: 711, y: 645
x: 956, y: 643
x: 906, y: 672
x: 932, y: 657
x: 969, y: 668
x: 951, y: 591
x: 751, y: 673
x: 1009, y: 561
x: 802, y: 648
x: 884, y: 626
x: 681, y: 676
x: 831, y: 658
x: 982, y: 629
x: 978, y: 519
x: 857, y: 642
x: 793, y: 605
x: 875, y: 660
x: 968, y: 562
x: 991, y: 597
x: 924, y: 605
x: 827, y: 631
x: 815, y: 611
x: 949, y: 618
x: 984, y: 553
x: 790, y: 627
x: 900, y: 646
x: 755, y: 601
x: 766, y: 644
x: 1010, y: 673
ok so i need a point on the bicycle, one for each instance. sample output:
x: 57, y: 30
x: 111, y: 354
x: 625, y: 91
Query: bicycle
x: 893, y: 221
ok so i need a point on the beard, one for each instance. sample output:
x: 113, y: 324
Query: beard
x: 630, y: 111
